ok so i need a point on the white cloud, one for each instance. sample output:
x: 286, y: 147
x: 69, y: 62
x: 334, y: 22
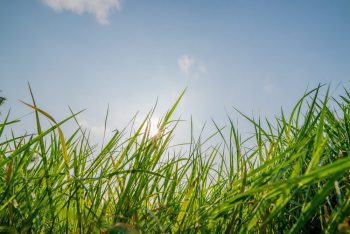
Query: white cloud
x: 268, y: 86
x: 97, y: 132
x: 99, y: 8
x: 190, y: 66
x: 185, y: 63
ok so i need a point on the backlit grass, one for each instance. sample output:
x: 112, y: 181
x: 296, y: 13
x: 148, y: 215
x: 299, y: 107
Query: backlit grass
x: 294, y: 177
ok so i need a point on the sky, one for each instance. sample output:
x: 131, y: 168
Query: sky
x: 256, y: 56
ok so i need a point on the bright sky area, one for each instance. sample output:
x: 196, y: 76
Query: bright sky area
x: 257, y: 56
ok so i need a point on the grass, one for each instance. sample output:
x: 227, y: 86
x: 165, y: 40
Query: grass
x: 293, y: 179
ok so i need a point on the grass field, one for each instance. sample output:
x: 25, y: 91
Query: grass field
x: 294, y: 179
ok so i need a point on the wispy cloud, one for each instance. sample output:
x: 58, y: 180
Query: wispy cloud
x: 185, y: 63
x: 99, y: 8
x: 269, y: 85
x: 189, y: 66
x: 97, y: 132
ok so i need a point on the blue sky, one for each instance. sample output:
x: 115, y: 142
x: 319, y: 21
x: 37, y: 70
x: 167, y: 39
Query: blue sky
x: 257, y: 56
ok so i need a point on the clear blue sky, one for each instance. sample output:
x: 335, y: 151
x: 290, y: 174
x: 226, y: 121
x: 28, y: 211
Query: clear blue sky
x: 253, y: 55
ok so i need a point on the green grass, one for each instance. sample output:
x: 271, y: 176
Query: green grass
x: 293, y: 178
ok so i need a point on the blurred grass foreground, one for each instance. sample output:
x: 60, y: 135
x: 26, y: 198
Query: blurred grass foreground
x: 294, y: 178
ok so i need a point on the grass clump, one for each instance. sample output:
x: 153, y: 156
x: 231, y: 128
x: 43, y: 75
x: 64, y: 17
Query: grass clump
x: 294, y: 178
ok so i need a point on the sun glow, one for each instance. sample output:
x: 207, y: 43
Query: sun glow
x: 153, y: 128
